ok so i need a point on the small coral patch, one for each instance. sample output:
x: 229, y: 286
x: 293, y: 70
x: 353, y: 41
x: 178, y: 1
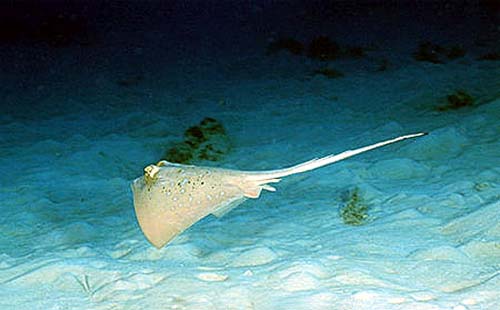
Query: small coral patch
x: 355, y: 211
x: 457, y: 100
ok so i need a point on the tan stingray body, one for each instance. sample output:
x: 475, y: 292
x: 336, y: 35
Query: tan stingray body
x: 179, y: 196
x: 169, y: 197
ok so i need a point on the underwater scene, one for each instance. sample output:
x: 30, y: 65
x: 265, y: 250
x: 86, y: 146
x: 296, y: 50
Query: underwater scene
x: 250, y: 154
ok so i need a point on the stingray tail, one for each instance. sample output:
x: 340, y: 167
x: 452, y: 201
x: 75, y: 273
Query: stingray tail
x: 271, y: 176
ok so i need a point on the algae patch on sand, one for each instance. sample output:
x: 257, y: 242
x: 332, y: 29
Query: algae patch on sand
x: 355, y: 211
x: 205, y: 141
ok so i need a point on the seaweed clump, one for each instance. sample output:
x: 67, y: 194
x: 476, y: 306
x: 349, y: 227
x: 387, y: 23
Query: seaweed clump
x: 323, y: 48
x: 355, y: 211
x: 329, y: 73
x: 320, y: 48
x: 205, y: 141
x: 455, y: 52
x: 130, y: 81
x: 383, y: 65
x: 429, y: 52
x: 354, y: 52
x: 493, y: 56
x: 437, y: 54
x: 292, y: 45
x: 457, y: 100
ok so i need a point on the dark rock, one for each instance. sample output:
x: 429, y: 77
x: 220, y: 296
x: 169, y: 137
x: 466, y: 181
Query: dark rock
x: 329, y: 73
x: 435, y: 53
x: 428, y: 52
x: 354, y: 52
x: 493, y: 56
x: 455, y: 52
x: 130, y: 81
x: 323, y: 48
x: 383, y: 65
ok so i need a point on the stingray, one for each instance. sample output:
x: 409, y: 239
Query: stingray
x: 171, y: 197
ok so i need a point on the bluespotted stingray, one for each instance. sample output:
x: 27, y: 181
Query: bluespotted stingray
x: 171, y: 197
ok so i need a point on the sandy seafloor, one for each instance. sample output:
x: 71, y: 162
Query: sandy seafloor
x: 72, y: 139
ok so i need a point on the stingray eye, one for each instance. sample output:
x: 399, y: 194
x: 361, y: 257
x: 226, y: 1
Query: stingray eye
x: 151, y: 174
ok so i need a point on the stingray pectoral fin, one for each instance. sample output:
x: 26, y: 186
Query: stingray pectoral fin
x: 159, y: 221
x: 227, y: 206
x: 154, y: 228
